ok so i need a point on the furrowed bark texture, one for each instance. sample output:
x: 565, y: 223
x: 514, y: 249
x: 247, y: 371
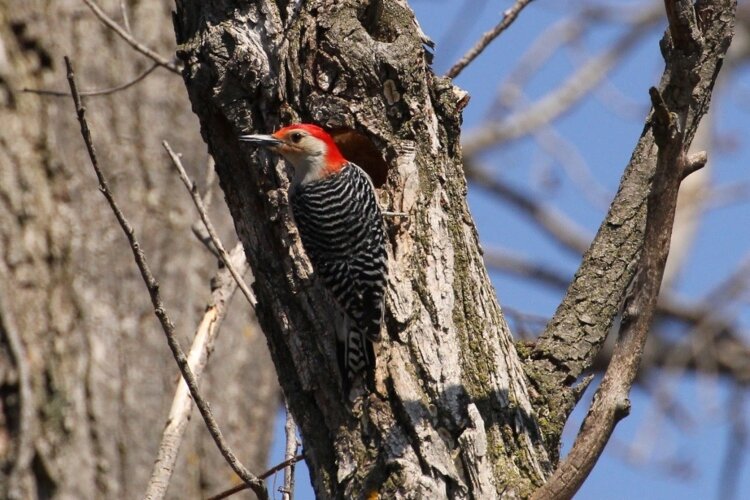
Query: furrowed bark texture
x: 85, y: 375
x: 451, y: 416
x: 577, y: 331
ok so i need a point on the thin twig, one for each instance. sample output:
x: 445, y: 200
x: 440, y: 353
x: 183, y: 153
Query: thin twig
x: 223, y: 288
x: 558, y: 101
x: 125, y: 17
x: 195, y: 195
x: 200, y: 233
x: 273, y: 470
x: 532, y: 60
x: 712, y: 336
x: 123, y: 33
x: 25, y: 402
x: 93, y: 93
x: 290, y: 429
x: 731, y: 470
x: 574, y: 165
x: 509, y: 16
x: 722, y: 196
x: 454, y: 36
x: 210, y: 180
x: 198, y: 228
x: 153, y: 289
x: 517, y: 265
x: 552, y: 222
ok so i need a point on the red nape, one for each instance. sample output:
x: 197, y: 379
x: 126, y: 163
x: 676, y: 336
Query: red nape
x: 334, y: 159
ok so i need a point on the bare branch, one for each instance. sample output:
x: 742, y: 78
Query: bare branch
x: 683, y: 25
x: 24, y: 438
x: 563, y: 34
x: 517, y: 265
x: 611, y: 402
x: 562, y: 229
x: 716, y: 351
x: 509, y: 16
x: 576, y: 332
x: 123, y: 33
x: 728, y: 194
x: 193, y: 189
x: 273, y: 470
x: 555, y: 103
x: 511, y: 95
x: 711, y: 338
x: 223, y: 286
x: 125, y: 17
x: 533, y: 59
x: 574, y: 165
x: 290, y: 429
x: 198, y: 227
x: 736, y: 448
x: 153, y: 289
x: 93, y: 93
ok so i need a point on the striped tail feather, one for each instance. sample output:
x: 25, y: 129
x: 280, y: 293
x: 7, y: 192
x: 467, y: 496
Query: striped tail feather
x: 356, y: 353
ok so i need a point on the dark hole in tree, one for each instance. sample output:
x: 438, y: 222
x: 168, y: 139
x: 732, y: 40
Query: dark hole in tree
x: 357, y: 148
x: 370, y: 18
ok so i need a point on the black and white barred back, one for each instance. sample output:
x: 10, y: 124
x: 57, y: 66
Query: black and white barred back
x: 341, y: 227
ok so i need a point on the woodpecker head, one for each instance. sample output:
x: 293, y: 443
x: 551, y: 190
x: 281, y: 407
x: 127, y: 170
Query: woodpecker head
x: 308, y: 148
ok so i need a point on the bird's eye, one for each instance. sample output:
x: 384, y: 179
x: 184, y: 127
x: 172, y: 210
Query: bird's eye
x: 296, y: 137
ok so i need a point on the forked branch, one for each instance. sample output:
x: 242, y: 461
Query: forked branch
x: 223, y: 288
x: 577, y: 331
x: 610, y: 403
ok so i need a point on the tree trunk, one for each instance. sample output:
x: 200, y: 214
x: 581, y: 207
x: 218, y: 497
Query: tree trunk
x: 451, y: 416
x: 85, y: 376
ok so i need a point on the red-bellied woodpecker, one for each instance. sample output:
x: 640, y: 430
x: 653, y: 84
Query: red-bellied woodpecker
x: 341, y: 226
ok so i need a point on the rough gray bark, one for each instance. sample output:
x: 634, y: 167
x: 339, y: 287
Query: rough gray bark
x: 98, y: 373
x: 451, y: 417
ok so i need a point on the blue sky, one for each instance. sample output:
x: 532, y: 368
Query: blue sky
x: 676, y: 461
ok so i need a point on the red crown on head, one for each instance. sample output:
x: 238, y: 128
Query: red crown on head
x: 334, y: 159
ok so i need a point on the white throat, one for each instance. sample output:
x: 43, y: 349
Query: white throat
x: 309, y: 170
x: 308, y: 165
